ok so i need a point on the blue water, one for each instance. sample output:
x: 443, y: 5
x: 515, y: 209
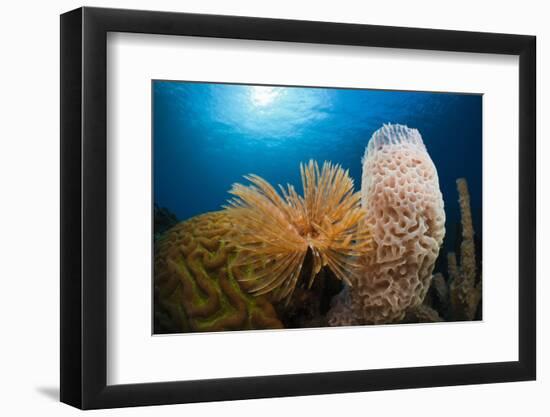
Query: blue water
x: 207, y: 136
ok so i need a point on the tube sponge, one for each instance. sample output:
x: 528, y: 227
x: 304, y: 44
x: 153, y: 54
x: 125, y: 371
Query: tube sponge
x: 465, y: 287
x: 405, y: 213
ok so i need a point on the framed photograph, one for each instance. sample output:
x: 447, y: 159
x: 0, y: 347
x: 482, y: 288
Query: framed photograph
x: 257, y: 207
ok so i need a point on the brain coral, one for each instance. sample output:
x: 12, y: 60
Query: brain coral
x: 195, y: 288
x: 400, y: 191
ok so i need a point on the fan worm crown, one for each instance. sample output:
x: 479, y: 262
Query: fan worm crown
x: 276, y: 231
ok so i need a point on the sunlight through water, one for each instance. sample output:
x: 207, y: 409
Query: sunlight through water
x: 262, y: 96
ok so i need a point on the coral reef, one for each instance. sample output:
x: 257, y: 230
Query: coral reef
x: 275, y: 233
x: 330, y: 256
x: 400, y: 192
x: 195, y: 288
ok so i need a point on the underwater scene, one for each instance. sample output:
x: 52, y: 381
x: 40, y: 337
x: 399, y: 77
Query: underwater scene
x: 279, y: 207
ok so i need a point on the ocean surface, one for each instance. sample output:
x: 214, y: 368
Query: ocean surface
x: 207, y: 136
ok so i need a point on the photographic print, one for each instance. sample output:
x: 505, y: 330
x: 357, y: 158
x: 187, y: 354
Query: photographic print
x: 280, y: 207
x: 198, y: 206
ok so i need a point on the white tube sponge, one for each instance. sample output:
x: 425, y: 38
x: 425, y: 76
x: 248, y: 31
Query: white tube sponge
x: 400, y: 191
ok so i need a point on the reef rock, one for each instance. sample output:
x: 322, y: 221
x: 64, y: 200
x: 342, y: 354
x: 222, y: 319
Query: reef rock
x: 421, y: 314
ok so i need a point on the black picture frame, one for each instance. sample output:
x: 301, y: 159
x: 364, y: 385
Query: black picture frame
x: 84, y: 207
